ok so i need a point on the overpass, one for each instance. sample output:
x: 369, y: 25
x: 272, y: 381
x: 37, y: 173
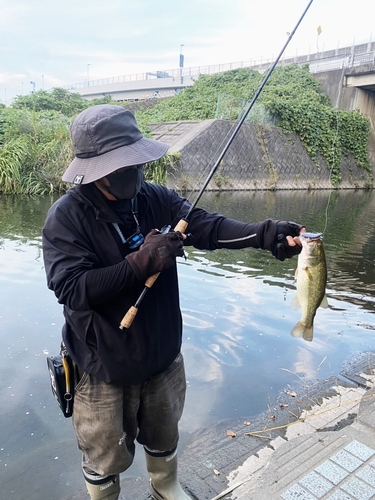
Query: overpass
x: 168, y: 83
x: 136, y: 87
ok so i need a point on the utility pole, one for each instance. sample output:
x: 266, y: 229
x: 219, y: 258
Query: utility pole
x: 181, y: 64
x: 88, y: 75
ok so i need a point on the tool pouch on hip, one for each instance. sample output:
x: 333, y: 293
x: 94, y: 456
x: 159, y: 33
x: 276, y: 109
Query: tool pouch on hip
x: 61, y: 374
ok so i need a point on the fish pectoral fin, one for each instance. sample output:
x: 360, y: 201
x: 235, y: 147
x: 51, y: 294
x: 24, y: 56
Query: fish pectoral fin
x: 309, y: 275
x: 324, y: 302
x: 295, y: 302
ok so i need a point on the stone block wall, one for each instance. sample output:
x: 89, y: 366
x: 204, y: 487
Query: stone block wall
x: 259, y: 158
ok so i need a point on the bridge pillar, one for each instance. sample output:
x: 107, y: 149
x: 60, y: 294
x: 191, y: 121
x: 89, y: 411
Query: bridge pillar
x: 353, y: 88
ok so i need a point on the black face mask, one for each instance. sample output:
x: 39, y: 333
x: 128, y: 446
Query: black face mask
x: 126, y: 185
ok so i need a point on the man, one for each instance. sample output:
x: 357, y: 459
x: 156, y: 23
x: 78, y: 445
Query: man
x: 101, y: 241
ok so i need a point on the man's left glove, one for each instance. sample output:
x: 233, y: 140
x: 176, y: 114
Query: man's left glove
x: 272, y: 236
x: 158, y: 252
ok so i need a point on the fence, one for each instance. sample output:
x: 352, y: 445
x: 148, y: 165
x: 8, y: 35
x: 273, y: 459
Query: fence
x: 321, y: 61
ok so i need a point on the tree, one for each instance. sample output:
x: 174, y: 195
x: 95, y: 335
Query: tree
x: 58, y: 99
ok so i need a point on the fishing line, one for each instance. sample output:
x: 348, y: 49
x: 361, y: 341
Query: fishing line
x: 334, y: 142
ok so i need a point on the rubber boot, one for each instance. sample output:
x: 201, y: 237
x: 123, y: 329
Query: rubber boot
x: 162, y: 469
x: 102, y: 488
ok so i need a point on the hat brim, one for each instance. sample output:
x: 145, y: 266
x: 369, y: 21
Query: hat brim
x: 91, y: 169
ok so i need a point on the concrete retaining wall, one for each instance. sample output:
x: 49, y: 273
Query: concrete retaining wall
x: 340, y: 86
x: 260, y: 158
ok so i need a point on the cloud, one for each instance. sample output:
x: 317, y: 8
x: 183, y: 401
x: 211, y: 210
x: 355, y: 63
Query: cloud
x: 58, y: 40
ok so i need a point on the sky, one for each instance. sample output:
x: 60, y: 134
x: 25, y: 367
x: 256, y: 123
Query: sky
x: 57, y: 43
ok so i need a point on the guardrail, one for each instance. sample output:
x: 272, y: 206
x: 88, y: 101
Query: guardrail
x: 330, y: 64
x: 317, y: 64
x: 169, y: 73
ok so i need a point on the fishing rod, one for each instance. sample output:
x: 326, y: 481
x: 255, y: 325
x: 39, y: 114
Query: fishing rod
x: 183, y: 223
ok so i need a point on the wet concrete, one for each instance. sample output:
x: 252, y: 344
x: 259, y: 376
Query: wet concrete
x: 321, y: 420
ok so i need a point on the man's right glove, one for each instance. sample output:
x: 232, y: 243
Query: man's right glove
x: 272, y: 236
x: 158, y: 252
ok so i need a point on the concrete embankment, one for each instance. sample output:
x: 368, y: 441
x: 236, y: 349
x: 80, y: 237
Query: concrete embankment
x: 259, y: 158
x: 315, y: 442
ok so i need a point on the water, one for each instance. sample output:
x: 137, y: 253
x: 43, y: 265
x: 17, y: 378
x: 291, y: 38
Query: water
x: 237, y: 317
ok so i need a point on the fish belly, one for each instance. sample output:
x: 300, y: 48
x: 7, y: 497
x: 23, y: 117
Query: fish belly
x: 310, y: 291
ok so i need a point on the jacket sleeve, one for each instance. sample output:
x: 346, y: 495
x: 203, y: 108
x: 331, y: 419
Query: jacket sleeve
x: 74, y: 272
x: 235, y: 234
x: 210, y: 231
x: 222, y: 232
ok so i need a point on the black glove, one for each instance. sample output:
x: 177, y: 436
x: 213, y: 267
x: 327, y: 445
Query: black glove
x: 158, y: 252
x: 272, y: 237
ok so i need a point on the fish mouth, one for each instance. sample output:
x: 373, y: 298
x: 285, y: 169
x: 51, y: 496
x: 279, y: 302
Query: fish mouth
x: 310, y: 236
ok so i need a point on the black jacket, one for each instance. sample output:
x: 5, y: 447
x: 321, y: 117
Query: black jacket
x: 86, y: 267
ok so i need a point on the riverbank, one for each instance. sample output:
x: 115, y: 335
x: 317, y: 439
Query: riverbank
x: 317, y: 443
x: 295, y: 450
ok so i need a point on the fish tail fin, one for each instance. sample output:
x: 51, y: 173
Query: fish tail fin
x: 308, y: 333
x: 301, y: 330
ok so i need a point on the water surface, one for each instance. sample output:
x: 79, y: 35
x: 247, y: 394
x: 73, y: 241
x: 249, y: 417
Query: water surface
x: 237, y: 320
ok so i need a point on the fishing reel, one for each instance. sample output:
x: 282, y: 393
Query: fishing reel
x: 137, y: 239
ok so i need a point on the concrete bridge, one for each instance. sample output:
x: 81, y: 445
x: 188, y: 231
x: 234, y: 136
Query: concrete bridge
x: 167, y: 83
x: 353, y: 87
x: 347, y: 75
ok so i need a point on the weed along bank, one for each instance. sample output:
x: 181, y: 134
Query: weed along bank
x: 293, y: 138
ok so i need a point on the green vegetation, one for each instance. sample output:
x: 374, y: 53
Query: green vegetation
x: 35, y: 151
x: 292, y: 98
x: 199, y: 101
x: 295, y: 97
x: 158, y: 171
x: 61, y: 100
x: 35, y: 147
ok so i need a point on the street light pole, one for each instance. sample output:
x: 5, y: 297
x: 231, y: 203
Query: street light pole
x: 181, y: 63
x: 88, y: 75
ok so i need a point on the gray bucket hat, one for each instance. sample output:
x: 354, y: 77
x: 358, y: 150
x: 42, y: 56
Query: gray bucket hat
x: 106, y: 138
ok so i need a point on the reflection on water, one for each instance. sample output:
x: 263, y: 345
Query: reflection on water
x: 237, y: 317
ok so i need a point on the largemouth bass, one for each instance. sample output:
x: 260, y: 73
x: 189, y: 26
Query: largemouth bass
x: 311, y: 276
